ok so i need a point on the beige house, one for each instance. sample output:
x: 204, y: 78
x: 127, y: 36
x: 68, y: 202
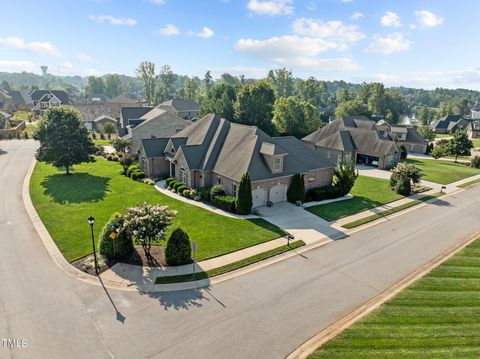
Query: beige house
x: 355, y: 138
x: 187, y: 110
x: 215, y: 151
x: 156, y: 123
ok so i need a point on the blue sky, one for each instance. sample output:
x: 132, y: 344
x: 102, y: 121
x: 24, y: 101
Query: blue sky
x: 424, y: 43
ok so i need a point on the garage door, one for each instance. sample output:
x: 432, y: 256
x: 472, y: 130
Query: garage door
x: 259, y: 197
x: 278, y: 193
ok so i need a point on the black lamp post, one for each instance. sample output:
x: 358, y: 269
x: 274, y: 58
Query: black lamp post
x: 91, y: 222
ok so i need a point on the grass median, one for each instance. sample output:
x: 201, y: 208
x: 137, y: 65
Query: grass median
x: 468, y: 184
x: 390, y: 211
x: 438, y: 316
x: 229, y: 267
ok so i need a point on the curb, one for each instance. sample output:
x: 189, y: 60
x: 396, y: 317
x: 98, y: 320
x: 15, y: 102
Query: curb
x: 339, y: 326
x: 75, y: 273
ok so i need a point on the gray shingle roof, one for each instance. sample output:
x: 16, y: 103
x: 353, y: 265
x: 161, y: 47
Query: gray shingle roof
x: 65, y: 99
x: 133, y: 113
x: 444, y: 122
x: 363, y: 136
x: 231, y: 149
x: 180, y: 105
x: 154, y: 147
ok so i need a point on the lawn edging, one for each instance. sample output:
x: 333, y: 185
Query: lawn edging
x: 340, y: 325
x: 468, y: 184
x: 229, y: 267
x: 391, y: 211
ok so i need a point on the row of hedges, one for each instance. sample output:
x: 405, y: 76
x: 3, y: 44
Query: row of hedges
x: 135, y: 173
x: 322, y: 193
x: 180, y: 188
x: 227, y: 203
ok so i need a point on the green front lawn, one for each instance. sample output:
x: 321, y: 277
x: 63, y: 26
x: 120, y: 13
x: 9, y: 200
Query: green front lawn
x: 436, y: 317
x: 65, y: 202
x: 368, y: 192
x: 443, y: 135
x: 101, y: 142
x: 443, y: 172
x: 476, y: 142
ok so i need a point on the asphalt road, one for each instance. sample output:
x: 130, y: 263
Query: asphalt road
x: 264, y: 314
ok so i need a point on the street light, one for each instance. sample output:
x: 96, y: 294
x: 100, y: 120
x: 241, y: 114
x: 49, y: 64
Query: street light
x: 91, y: 222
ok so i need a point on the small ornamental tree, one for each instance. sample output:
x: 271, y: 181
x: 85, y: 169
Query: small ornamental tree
x: 345, y: 177
x: 459, y: 145
x: 109, y: 129
x: 403, y: 152
x: 402, y: 173
x: 115, y: 241
x: 438, y: 152
x: 244, y: 195
x: 126, y: 161
x: 64, y: 142
x: 120, y: 145
x: 296, y: 190
x: 148, y: 223
x: 179, y: 250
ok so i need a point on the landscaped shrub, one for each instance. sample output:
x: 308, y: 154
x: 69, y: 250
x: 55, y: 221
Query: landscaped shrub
x: 94, y: 135
x: 227, y: 203
x: 345, y: 177
x: 99, y: 151
x: 186, y: 193
x: 178, y: 251
x: 475, y: 162
x: 193, y: 193
x: 244, y: 197
x: 177, y: 185
x: 204, y: 193
x: 110, y: 158
x: 403, y: 152
x: 169, y: 180
x: 403, y: 186
x: 102, y: 136
x: 181, y: 188
x: 138, y: 175
x: 216, y: 190
x: 119, y: 247
x: 322, y: 193
x: 132, y: 168
x: 296, y: 190
x: 148, y: 181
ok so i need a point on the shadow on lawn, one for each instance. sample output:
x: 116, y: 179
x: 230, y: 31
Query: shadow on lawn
x: 78, y: 188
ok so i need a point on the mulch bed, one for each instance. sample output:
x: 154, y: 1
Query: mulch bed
x: 138, y: 257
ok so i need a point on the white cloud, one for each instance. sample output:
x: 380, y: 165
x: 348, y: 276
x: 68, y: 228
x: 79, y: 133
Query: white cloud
x: 157, y: 2
x: 17, y: 66
x: 168, y: 30
x: 67, y: 65
x: 295, y: 51
x: 206, y: 33
x: 84, y: 58
x: 389, y: 44
x: 270, y: 7
x: 346, y: 1
x: 329, y: 30
x: 17, y: 43
x: 356, y: 16
x: 428, y: 19
x: 113, y: 20
x: 390, y: 19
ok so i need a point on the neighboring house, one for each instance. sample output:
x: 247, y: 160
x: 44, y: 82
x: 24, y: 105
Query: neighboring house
x: 124, y: 100
x: 43, y: 99
x: 355, y: 138
x: 152, y: 157
x: 404, y: 135
x: 449, y: 124
x: 156, y: 123
x: 132, y: 113
x: 473, y: 129
x: 22, y: 100
x: 6, y: 102
x: 187, y: 110
x: 215, y: 151
x: 98, y: 123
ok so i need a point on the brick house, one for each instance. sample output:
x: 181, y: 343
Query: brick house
x: 215, y: 151
x: 355, y: 138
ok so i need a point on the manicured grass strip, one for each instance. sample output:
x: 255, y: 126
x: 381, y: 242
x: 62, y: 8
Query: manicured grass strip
x: 229, y: 267
x: 436, y: 317
x: 368, y: 192
x: 101, y: 142
x: 466, y: 184
x: 443, y: 172
x: 390, y: 211
x: 65, y: 202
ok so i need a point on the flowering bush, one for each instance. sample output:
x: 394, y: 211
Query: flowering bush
x: 148, y: 223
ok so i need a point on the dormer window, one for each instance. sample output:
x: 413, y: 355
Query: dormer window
x: 277, y: 164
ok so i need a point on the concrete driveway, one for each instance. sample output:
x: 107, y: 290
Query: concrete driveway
x: 301, y: 223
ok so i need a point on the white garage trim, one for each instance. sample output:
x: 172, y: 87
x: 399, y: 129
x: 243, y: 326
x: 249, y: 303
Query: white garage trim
x: 278, y: 193
x: 259, y: 197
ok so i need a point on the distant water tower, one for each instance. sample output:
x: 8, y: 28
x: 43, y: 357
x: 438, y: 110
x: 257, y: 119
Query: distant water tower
x: 44, y: 70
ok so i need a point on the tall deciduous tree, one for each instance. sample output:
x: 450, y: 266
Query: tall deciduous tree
x: 281, y: 81
x: 220, y: 100
x: 208, y: 82
x: 146, y: 73
x: 64, y: 142
x: 295, y: 117
x: 95, y: 85
x: 113, y: 85
x: 254, y: 106
x: 165, y: 85
x: 191, y: 89
x: 459, y: 145
x: 313, y: 91
x: 426, y: 132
